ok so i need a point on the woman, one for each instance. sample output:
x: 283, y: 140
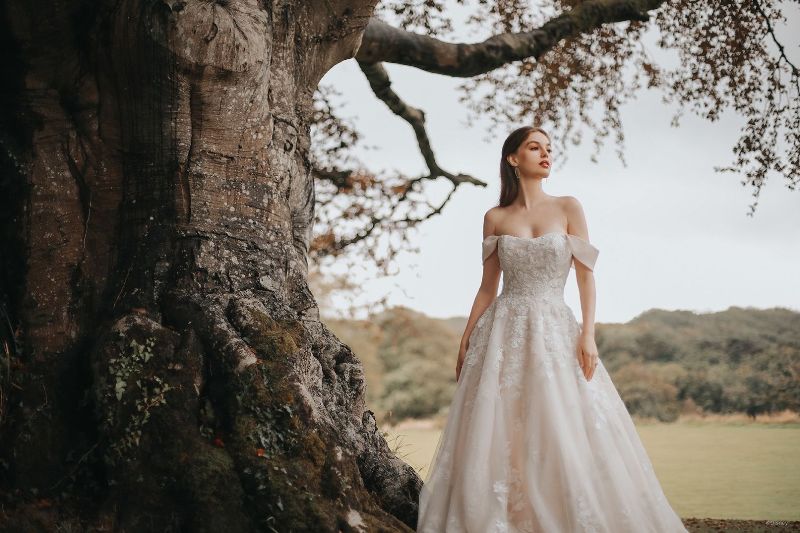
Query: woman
x: 537, y: 438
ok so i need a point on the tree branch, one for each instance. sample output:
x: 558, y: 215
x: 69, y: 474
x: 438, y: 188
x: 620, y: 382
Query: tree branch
x: 781, y: 50
x: 382, y: 42
x: 381, y: 85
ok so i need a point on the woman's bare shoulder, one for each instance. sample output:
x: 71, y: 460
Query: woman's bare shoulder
x: 569, y: 201
x: 570, y: 205
x: 494, y: 214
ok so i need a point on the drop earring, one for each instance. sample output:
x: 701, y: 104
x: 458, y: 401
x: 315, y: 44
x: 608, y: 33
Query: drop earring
x: 516, y: 172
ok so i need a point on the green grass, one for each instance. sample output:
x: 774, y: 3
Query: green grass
x: 707, y: 469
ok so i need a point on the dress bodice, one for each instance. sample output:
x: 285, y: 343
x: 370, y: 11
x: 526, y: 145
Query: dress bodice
x: 538, y: 266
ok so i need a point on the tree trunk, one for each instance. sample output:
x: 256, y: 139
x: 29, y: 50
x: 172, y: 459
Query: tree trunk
x: 164, y: 364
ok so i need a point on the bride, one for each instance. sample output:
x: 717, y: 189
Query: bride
x: 537, y: 438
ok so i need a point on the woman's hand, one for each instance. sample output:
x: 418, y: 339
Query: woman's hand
x: 587, y: 354
x: 462, y: 352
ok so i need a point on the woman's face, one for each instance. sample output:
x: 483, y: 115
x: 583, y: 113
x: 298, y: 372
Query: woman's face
x: 533, y: 155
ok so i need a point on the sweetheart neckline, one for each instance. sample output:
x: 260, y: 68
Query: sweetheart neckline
x: 532, y: 238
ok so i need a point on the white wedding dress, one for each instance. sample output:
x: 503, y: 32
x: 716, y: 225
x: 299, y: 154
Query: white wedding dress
x: 529, y: 445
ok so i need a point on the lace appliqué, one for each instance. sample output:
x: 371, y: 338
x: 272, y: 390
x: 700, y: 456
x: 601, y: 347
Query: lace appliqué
x: 517, y: 501
x: 500, y: 489
x: 511, y: 380
x: 518, y: 324
x: 500, y: 526
x: 601, y: 403
x: 627, y: 519
x: 557, y: 352
x: 587, y: 521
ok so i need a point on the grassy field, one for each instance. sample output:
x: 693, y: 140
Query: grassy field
x: 717, y: 470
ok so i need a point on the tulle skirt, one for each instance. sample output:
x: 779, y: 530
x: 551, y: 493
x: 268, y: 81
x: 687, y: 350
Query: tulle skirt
x: 530, y: 446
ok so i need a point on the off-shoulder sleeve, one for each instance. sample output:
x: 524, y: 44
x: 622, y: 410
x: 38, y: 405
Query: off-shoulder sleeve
x: 489, y: 245
x: 583, y: 251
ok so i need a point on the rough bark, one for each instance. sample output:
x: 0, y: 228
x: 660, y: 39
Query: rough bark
x: 165, y: 365
x: 383, y: 42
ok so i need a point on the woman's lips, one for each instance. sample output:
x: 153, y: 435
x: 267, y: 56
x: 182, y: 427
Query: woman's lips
x: 544, y: 164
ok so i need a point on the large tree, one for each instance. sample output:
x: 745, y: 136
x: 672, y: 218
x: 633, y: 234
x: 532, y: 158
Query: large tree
x: 164, y: 366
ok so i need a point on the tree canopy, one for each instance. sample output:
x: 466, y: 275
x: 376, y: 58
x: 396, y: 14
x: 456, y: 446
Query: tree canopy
x: 561, y: 64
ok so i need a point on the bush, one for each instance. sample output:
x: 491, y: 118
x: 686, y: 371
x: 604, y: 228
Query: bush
x: 647, y: 394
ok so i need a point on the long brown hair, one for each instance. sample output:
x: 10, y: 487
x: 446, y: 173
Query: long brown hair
x: 509, y: 184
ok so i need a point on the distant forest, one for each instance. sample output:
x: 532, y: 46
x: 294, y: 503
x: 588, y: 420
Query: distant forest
x: 741, y: 360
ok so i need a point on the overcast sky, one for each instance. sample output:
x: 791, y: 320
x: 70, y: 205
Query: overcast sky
x: 672, y: 232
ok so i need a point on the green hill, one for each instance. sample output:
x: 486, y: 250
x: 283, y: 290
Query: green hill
x: 662, y: 362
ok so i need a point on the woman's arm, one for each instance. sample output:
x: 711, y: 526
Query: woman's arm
x: 487, y: 291
x: 576, y: 225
